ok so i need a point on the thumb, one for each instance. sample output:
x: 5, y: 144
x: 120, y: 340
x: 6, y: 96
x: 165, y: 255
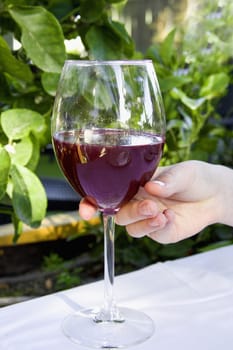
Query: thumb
x: 86, y: 209
x: 171, y: 180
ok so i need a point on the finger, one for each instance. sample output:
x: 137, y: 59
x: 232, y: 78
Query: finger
x: 146, y: 226
x: 86, y: 209
x: 173, y: 180
x: 137, y: 210
x: 168, y: 233
x: 165, y: 235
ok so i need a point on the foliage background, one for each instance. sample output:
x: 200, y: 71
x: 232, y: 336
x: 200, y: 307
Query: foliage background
x: 194, y: 68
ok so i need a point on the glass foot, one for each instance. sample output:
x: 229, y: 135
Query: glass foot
x: 82, y: 328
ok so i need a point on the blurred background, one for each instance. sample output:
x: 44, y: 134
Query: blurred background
x: 191, y: 45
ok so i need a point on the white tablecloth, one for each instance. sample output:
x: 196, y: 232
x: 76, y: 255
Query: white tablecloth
x: 190, y: 301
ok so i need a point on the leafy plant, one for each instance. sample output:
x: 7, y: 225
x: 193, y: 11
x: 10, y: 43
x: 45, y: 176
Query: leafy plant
x: 194, y: 68
x: 65, y: 277
x: 66, y: 280
x: 29, y: 76
x: 194, y: 65
x: 52, y: 262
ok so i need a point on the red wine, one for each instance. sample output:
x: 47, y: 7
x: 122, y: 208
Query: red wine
x: 107, y: 166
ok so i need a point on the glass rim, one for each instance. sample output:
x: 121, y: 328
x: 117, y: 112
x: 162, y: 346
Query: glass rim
x: 126, y: 62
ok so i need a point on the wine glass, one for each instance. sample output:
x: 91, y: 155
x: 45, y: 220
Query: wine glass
x: 108, y: 131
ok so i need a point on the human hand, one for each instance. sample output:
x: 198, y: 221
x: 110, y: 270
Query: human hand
x: 179, y: 202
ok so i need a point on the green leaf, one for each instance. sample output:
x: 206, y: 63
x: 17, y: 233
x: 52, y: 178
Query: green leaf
x: 5, y: 163
x: 191, y: 103
x: 5, y: 94
x: 126, y: 40
x: 176, y: 250
x: 102, y: 44
x: 50, y: 82
x: 18, y: 227
x: 153, y: 53
x: 215, y: 85
x: 42, y: 37
x: 29, y: 197
x: 166, y: 47
x: 18, y: 123
x: 60, y: 8
x: 35, y: 155
x: 171, y: 82
x: 102, y: 98
x: 91, y: 10
x: 9, y: 64
x: 22, y: 151
x: 215, y: 245
x: 174, y: 124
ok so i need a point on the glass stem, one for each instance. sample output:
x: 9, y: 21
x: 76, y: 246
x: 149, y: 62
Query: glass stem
x: 109, y: 312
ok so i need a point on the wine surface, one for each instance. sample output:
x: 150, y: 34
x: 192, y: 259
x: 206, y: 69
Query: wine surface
x: 107, y: 166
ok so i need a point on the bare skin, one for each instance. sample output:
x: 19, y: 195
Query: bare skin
x: 177, y: 203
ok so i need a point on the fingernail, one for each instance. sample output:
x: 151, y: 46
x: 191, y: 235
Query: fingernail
x: 160, y: 183
x: 145, y: 210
